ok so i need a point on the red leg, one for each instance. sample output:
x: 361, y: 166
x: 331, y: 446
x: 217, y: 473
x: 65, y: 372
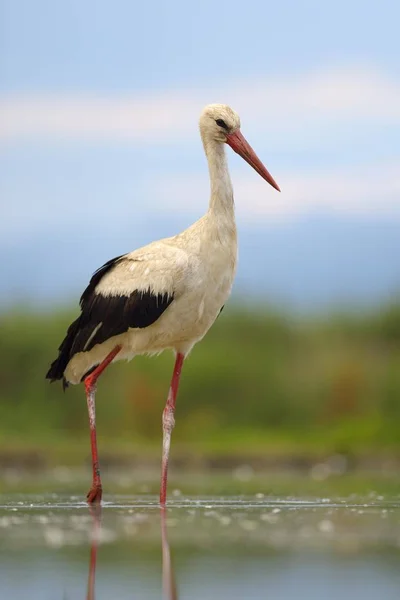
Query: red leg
x: 95, y: 492
x: 168, y: 424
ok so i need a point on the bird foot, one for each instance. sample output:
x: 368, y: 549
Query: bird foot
x: 94, y: 494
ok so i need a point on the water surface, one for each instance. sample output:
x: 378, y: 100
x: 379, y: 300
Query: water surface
x: 54, y: 546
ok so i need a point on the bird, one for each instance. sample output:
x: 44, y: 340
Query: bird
x: 163, y: 296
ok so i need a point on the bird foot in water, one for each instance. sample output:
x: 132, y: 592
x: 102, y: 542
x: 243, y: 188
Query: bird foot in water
x: 94, y: 495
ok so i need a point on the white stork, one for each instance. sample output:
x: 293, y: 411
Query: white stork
x: 164, y: 295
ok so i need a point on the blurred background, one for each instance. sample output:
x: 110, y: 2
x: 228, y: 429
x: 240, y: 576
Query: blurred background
x: 100, y: 154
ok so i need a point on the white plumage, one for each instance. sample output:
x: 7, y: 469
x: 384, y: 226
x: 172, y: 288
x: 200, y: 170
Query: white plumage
x: 169, y: 293
x: 200, y: 275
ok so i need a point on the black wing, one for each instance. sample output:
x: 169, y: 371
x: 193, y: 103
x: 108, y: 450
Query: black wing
x: 97, y: 275
x: 103, y: 317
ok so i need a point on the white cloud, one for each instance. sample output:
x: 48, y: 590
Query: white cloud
x: 282, y: 104
x: 365, y: 191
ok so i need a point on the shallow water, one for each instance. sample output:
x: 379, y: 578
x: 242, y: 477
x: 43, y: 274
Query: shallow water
x: 219, y: 547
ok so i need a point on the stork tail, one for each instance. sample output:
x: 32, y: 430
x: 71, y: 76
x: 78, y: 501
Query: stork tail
x: 58, y: 366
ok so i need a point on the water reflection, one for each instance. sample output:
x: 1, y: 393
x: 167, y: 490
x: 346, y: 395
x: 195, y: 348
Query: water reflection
x: 168, y: 575
x: 169, y: 584
x: 95, y: 511
x: 221, y: 548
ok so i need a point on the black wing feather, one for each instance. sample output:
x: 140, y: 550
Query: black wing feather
x: 96, y: 277
x: 116, y: 315
x: 103, y: 317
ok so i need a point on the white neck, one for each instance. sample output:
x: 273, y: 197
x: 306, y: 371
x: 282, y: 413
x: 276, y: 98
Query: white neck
x: 221, y: 199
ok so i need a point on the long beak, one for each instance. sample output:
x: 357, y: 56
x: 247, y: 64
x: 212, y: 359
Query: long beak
x: 239, y: 144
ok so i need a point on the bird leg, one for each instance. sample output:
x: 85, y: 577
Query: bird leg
x: 95, y: 492
x: 168, y: 424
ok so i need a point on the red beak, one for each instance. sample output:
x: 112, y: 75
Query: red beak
x: 239, y: 144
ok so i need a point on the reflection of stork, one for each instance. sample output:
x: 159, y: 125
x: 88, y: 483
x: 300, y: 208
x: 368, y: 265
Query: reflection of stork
x: 165, y: 295
x: 169, y: 584
x: 96, y: 514
x: 168, y: 576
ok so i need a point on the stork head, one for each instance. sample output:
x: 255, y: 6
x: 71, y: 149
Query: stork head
x: 220, y: 123
x: 217, y: 121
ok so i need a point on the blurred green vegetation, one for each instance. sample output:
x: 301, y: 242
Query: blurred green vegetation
x: 259, y: 383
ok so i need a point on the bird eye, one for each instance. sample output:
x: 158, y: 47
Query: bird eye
x: 221, y: 123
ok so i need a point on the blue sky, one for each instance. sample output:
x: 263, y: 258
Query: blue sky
x: 99, y: 143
